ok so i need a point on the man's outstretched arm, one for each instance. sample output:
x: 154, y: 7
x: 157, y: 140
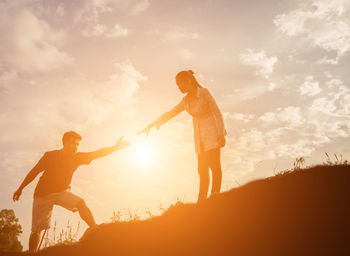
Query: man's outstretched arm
x: 39, y: 167
x: 106, y: 151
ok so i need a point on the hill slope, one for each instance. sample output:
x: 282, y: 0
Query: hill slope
x: 304, y: 212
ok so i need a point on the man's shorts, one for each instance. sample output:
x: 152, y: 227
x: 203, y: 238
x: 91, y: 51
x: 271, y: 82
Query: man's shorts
x: 42, y: 208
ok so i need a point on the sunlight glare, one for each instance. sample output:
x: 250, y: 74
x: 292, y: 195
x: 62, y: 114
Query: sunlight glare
x: 143, y: 152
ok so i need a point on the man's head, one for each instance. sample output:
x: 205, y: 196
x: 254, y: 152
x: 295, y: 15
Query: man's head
x: 71, y: 141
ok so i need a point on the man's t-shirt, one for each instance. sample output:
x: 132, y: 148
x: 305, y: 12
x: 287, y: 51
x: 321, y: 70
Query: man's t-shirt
x: 58, y: 171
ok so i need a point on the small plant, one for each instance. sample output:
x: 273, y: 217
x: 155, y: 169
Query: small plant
x: 116, y: 217
x: 337, y: 160
x: 124, y: 215
x: 68, y: 235
x: 298, y: 163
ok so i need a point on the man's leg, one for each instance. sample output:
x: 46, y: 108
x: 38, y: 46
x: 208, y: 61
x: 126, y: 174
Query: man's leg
x: 41, y: 218
x: 34, y: 240
x: 215, y: 166
x: 86, y: 214
x: 203, y: 171
x: 73, y: 202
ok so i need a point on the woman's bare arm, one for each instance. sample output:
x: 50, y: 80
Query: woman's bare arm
x: 164, y: 118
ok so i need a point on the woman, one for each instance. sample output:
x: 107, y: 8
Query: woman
x: 209, y: 129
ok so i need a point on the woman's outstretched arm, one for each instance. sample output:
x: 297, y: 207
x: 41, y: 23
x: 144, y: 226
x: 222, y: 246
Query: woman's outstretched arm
x: 164, y: 118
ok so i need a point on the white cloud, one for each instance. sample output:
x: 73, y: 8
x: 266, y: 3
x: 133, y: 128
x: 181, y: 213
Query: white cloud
x: 272, y: 86
x: 118, y: 31
x: 290, y: 115
x: 90, y: 16
x: 260, y: 60
x: 325, y: 23
x: 309, y: 87
x: 181, y: 35
x: 336, y: 102
x: 299, y: 148
x: 326, y: 60
x: 30, y: 44
x: 185, y: 53
x: 101, y: 30
x: 295, y: 131
x: 66, y: 104
x: 95, y: 30
x: 268, y: 117
x: 140, y: 7
x: 239, y: 116
x: 249, y: 92
x: 126, y: 79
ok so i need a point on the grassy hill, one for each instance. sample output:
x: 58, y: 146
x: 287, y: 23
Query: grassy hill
x: 303, y: 212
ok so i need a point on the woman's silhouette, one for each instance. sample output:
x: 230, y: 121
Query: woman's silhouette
x: 209, y: 129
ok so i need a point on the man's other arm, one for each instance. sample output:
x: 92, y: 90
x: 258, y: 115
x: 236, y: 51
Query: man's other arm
x: 39, y: 167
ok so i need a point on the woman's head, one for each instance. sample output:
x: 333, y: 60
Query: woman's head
x: 186, y: 81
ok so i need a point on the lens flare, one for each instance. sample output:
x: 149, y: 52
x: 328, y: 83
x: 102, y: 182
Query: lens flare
x: 142, y: 152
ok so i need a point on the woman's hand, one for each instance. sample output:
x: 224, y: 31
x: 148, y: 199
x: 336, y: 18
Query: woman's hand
x: 146, y: 130
x: 222, y: 141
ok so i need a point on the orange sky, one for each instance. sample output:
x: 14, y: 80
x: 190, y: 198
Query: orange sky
x: 278, y: 70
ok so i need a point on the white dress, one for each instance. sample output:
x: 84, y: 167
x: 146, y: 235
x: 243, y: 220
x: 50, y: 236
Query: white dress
x: 208, y: 122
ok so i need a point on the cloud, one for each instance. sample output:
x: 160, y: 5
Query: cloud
x: 259, y: 60
x: 295, y: 131
x: 309, y: 87
x: 101, y: 30
x: 74, y: 102
x: 326, y: 60
x: 30, y: 44
x: 325, y: 23
x: 336, y: 102
x: 181, y: 35
x: 249, y: 92
x: 246, y: 118
x: 140, y: 7
x: 90, y: 16
x: 290, y: 115
x: 185, y: 53
x: 118, y: 31
x: 126, y: 79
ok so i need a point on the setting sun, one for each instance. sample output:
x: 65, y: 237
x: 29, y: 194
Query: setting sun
x: 142, y: 152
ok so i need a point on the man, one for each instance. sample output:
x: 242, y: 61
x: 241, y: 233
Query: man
x: 53, y: 188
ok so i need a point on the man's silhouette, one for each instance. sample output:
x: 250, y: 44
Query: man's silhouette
x: 53, y: 188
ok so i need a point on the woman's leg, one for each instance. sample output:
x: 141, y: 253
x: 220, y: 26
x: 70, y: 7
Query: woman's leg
x: 203, y: 170
x: 214, y: 159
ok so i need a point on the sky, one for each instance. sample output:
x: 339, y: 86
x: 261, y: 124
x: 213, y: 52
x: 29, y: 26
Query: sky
x: 278, y: 70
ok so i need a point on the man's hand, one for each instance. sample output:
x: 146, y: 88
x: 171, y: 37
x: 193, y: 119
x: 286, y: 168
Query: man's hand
x: 17, y: 194
x: 122, y: 144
